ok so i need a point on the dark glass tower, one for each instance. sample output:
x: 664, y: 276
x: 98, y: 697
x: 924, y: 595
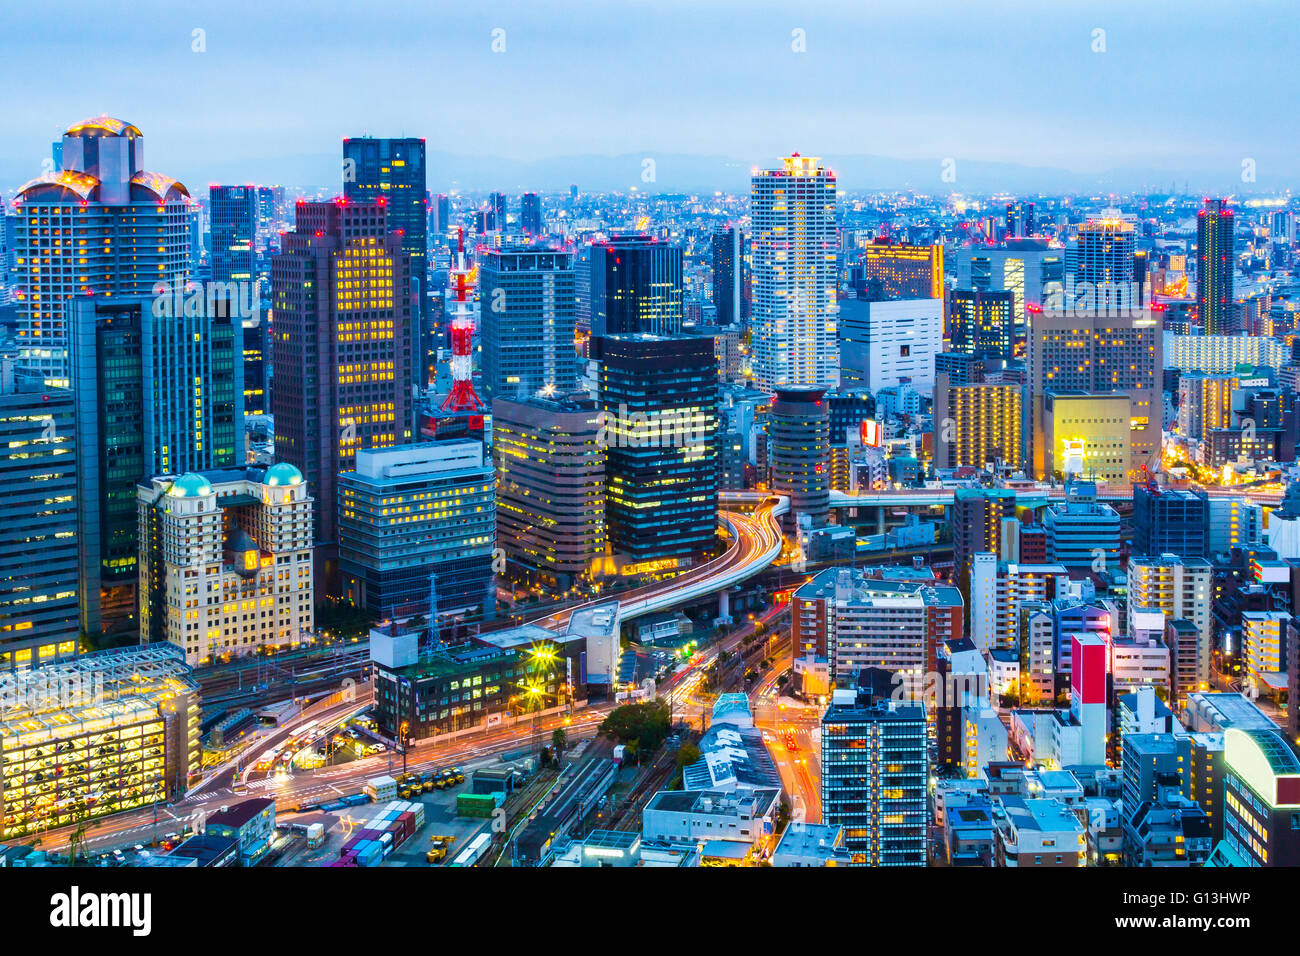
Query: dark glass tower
x: 799, y: 429
x: 233, y: 211
x: 1214, y: 261
x: 530, y: 214
x: 636, y: 286
x: 730, y: 277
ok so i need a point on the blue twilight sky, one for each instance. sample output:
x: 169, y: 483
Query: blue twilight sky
x: 1182, y: 88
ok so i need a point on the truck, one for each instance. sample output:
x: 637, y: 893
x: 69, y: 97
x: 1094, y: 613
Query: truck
x: 315, y: 835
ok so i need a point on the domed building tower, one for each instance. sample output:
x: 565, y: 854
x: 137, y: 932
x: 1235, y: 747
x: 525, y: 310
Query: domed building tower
x: 103, y: 225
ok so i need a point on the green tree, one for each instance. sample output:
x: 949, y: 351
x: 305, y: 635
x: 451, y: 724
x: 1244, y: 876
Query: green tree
x: 646, y: 722
x: 559, y: 740
x: 687, y: 754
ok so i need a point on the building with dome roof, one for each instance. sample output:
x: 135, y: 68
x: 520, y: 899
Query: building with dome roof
x: 225, y: 564
x: 101, y: 224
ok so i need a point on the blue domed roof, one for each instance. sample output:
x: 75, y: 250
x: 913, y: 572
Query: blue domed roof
x: 190, y: 485
x: 283, y: 474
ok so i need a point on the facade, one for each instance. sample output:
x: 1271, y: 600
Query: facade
x: 250, y: 823
x: 1099, y: 267
x: 794, y: 248
x: 659, y: 408
x: 998, y: 591
x: 1082, y: 532
x: 159, y: 390
x: 1170, y: 521
x: 731, y: 277
x: 898, y: 270
x: 344, y: 349
x: 1029, y: 269
x: 636, y: 286
x: 527, y: 325
x: 550, y: 488
x: 225, y: 561
x: 102, y: 224
x: 984, y: 323
x: 874, y: 779
x: 1263, y: 638
x: 233, y: 214
x: 530, y: 215
x: 1038, y: 832
x: 1220, y: 354
x: 891, y: 343
x: 1179, y: 588
x: 1204, y: 403
x: 38, y: 523
x: 977, y: 424
x: 110, y: 731
x: 1261, y: 800
x: 982, y: 520
x: 1215, y: 262
x: 799, y: 431
x: 415, y: 514
x: 1088, y: 436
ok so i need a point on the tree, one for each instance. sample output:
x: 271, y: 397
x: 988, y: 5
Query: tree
x: 687, y: 754
x: 646, y: 722
x: 559, y: 740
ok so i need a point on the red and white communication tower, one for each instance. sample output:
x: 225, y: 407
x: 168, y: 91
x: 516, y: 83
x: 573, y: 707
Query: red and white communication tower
x: 462, y: 397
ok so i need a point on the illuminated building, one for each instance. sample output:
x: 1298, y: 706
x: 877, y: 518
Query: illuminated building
x: 1029, y: 269
x: 983, y: 519
x: 998, y: 590
x: 1261, y: 799
x: 101, y: 224
x: 393, y: 172
x: 1204, y: 403
x: 1099, y: 268
x: 38, y: 530
x: 1098, y: 354
x: 409, y: 512
x: 874, y: 778
x: 886, y: 270
x: 528, y: 319
x: 156, y: 394
x: 1178, y: 587
x: 1174, y: 521
x: 270, y: 213
x: 731, y: 286
x: 1215, y: 262
x: 1082, y: 532
x: 1263, y: 638
x: 233, y: 212
x: 794, y: 246
x: 887, y: 344
x: 1220, y: 354
x: 1020, y: 219
x: 799, y: 431
x: 550, y: 488
x: 530, y: 214
x: 659, y: 408
x: 344, y: 349
x: 1038, y: 832
x: 226, y: 561
x: 1087, y: 436
x: 977, y: 424
x: 983, y: 323
x: 109, y: 731
x: 636, y: 286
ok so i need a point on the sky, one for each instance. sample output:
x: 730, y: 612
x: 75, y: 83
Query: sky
x: 265, y: 91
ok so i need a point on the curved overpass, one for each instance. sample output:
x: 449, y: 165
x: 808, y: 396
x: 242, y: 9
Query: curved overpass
x: 755, y: 543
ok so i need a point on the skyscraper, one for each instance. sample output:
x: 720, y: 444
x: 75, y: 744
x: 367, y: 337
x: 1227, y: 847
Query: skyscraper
x: 38, y: 520
x: 898, y: 270
x: 101, y: 224
x: 983, y: 323
x: 530, y: 214
x: 799, y: 428
x: 794, y: 248
x: 1099, y: 267
x: 392, y: 171
x: 159, y: 390
x: 234, y: 213
x: 1020, y: 219
x: 1215, y: 260
x: 527, y: 320
x: 343, y: 349
x: 978, y: 423
x: 636, y: 286
x: 730, y: 277
x: 980, y: 522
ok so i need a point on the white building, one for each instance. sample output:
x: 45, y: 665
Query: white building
x: 997, y: 591
x: 226, y: 561
x: 1262, y: 636
x: 1180, y: 589
x: 1220, y: 354
x: 892, y: 343
x: 1135, y: 663
x: 794, y: 245
x: 700, y: 816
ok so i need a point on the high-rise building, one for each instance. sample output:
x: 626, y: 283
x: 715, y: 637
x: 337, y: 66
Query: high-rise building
x: 500, y: 213
x: 226, y: 561
x: 794, y: 247
x: 343, y: 350
x: 983, y: 323
x: 234, y: 213
x: 1170, y: 521
x: 1204, y: 403
x: 1088, y: 436
x: 530, y: 214
x: 1082, y: 532
x: 1178, y: 587
x: 659, y: 407
x: 414, y: 515
x: 440, y: 215
x: 1215, y: 261
x: 983, y: 519
x: 977, y: 424
x: 1020, y: 219
x: 799, y: 430
x: 1099, y: 267
x: 1261, y: 797
x: 998, y: 592
x: 890, y: 343
x: 1219, y: 354
x: 874, y: 778
x: 100, y: 224
x: 1263, y: 640
x: 270, y: 213
x: 896, y: 270
x: 1091, y: 352
x: 636, y: 286
x: 1032, y: 271
x: 159, y: 390
x: 527, y: 322
x: 550, y: 488
x: 731, y: 289
x: 392, y: 173
x: 38, y: 520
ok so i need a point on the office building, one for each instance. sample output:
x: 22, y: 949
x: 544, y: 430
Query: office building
x: 1093, y: 353
x: 344, y: 350
x: 999, y: 589
x: 1221, y: 354
x: 1029, y: 269
x: 977, y: 424
x: 891, y: 343
x: 1038, y: 832
x: 528, y: 322
x: 1170, y: 521
x: 874, y: 778
x: 226, y: 561
x: 233, y: 212
x: 110, y: 731
x: 794, y: 248
x: 38, y: 520
x: 1204, y: 403
x: 1099, y: 268
x: 1215, y: 263
x: 1261, y: 799
x: 100, y: 224
x: 659, y: 407
x: 158, y: 387
x: 983, y: 519
x: 1263, y: 638
x: 550, y: 471
x: 731, y: 294
x: 414, y: 514
x: 1179, y: 588
x: 896, y: 270
x: 636, y: 286
x: 1088, y: 436
x: 530, y: 214
x: 1082, y: 532
x: 1020, y: 219
x: 984, y: 323
x: 799, y: 431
